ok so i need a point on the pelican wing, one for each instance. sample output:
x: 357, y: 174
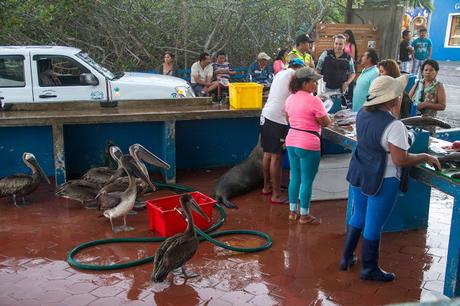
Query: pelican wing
x: 100, y: 175
x: 172, y: 254
x: 79, y: 190
x: 107, y: 201
x: 11, y: 184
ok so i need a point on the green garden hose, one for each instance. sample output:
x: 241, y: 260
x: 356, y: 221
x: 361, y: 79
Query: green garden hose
x: 203, y: 236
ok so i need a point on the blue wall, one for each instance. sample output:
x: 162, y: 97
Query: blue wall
x: 438, y: 27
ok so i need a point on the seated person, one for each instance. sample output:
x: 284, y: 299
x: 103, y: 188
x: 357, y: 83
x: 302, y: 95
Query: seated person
x: 259, y: 71
x: 201, y: 76
x: 222, y: 69
x: 47, y: 75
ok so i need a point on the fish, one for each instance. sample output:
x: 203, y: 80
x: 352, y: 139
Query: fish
x: 425, y: 121
x: 451, y: 160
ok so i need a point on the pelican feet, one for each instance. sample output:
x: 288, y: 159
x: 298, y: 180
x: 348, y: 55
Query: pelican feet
x: 181, y: 272
x: 123, y: 228
x: 23, y: 202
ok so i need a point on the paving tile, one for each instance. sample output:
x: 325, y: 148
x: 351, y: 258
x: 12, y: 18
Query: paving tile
x: 79, y: 299
x: 237, y: 297
x: 436, y: 286
x: 265, y: 300
x: 81, y: 287
x: 257, y: 289
x: 105, y: 301
x: 107, y: 291
x: 53, y: 296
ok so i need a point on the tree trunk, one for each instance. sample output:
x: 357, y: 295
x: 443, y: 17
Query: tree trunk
x: 349, y: 11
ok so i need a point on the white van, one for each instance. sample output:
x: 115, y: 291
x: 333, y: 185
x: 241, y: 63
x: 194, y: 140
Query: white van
x: 57, y: 74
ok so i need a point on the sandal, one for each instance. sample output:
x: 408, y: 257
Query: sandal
x: 310, y: 220
x: 293, y: 216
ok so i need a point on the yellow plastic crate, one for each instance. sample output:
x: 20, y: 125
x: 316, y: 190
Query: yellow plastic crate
x: 245, y: 95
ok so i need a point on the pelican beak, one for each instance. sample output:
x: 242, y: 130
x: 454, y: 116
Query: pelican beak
x: 131, y: 165
x: 198, y: 209
x: 145, y: 155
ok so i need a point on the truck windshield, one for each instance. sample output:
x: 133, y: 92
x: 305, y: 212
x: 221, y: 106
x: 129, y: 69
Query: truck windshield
x: 107, y: 73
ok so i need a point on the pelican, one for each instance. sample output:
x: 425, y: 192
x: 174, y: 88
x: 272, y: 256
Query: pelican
x: 104, y: 175
x: 108, y: 196
x: 127, y: 198
x: 175, y: 251
x: 23, y: 184
x: 85, y: 191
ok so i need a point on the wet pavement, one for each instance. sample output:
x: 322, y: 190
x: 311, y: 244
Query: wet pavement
x: 301, y: 268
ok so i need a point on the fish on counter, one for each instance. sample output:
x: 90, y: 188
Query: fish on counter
x: 21, y: 184
x: 425, y: 122
x: 451, y: 160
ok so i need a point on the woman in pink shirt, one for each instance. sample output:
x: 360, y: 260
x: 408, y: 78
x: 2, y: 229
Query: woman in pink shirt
x: 306, y: 115
x: 280, y: 62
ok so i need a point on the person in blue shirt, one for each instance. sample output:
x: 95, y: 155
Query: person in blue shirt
x: 370, y: 71
x: 260, y: 71
x: 422, y: 50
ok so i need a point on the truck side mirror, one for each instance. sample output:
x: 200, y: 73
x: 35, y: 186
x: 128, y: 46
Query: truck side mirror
x: 88, y: 79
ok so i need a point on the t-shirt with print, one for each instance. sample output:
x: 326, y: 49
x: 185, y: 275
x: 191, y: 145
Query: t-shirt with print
x: 200, y: 72
x: 396, y: 134
x: 421, y: 47
x: 303, y: 109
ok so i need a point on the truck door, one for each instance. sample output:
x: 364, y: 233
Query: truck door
x: 63, y: 78
x: 15, y: 80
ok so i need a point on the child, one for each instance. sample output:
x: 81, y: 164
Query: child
x: 422, y: 50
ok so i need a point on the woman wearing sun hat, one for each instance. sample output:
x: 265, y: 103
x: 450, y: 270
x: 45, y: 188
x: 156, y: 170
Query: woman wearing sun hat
x: 374, y: 173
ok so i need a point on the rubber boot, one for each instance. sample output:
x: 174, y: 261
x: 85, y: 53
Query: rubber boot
x: 351, y: 241
x: 370, y: 259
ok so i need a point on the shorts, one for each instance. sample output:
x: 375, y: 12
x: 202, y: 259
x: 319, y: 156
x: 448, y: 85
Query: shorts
x: 272, y: 136
x: 197, y: 89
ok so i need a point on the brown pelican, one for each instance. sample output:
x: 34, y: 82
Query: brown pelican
x: 108, y: 196
x: 104, y: 175
x: 23, y: 184
x: 127, y: 198
x: 85, y: 191
x: 175, y: 251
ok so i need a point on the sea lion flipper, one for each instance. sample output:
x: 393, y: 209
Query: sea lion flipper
x: 228, y: 204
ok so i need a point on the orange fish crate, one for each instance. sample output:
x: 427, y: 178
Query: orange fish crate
x: 164, y: 219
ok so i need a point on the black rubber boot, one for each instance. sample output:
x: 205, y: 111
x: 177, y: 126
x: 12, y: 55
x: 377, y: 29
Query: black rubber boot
x: 351, y: 241
x: 370, y: 259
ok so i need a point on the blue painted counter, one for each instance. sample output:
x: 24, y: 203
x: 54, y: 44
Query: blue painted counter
x: 69, y: 142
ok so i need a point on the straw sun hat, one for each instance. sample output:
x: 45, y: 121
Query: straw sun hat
x: 385, y: 88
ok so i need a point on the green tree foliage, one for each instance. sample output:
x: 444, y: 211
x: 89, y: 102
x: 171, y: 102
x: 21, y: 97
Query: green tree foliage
x: 133, y: 34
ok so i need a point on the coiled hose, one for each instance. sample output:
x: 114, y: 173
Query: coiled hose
x: 203, y: 236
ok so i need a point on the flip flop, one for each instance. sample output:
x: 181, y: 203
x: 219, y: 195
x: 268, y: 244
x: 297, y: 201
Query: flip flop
x: 311, y: 221
x: 266, y: 192
x: 279, y: 201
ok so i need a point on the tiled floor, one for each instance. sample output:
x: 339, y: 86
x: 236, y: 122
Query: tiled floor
x: 299, y: 269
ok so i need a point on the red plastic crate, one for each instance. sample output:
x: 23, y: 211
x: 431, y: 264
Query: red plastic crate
x: 164, y: 219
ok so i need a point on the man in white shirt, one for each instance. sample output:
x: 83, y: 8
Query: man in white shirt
x: 201, y: 76
x: 274, y: 129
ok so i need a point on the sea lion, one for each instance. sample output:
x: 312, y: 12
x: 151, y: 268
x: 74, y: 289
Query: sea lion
x: 425, y: 121
x: 240, y: 179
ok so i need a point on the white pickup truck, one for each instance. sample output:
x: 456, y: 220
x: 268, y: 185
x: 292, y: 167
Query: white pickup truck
x: 57, y: 74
